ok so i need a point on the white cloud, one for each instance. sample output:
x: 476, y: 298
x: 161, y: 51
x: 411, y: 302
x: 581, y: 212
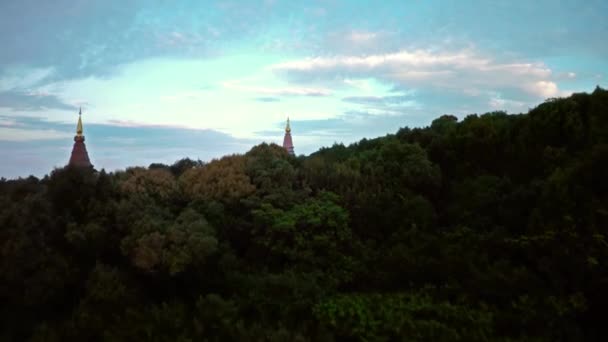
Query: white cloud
x: 547, y: 89
x: 499, y: 103
x: 359, y: 84
x: 543, y: 88
x: 398, y: 59
x: 463, y: 69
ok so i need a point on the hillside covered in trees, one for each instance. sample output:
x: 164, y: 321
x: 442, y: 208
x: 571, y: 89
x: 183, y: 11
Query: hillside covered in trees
x: 489, y: 229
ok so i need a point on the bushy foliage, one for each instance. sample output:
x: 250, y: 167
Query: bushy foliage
x: 488, y: 229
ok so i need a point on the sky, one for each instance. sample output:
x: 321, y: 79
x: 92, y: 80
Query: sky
x: 160, y: 80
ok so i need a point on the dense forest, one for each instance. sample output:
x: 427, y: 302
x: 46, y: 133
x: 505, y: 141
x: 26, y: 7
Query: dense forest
x: 492, y: 228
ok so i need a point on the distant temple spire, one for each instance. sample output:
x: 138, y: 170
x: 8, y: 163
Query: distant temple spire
x: 287, y: 142
x: 79, y: 157
x: 79, y: 126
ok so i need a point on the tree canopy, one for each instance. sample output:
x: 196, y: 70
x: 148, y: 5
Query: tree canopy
x: 492, y: 228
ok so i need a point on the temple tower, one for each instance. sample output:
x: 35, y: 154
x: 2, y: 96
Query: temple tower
x: 79, y: 157
x: 287, y: 142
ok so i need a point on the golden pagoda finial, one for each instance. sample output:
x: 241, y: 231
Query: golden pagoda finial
x: 79, y: 126
x: 287, y: 128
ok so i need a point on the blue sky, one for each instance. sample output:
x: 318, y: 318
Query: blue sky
x: 159, y: 80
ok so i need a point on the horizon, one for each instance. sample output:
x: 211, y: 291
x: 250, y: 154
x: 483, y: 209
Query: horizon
x: 164, y: 81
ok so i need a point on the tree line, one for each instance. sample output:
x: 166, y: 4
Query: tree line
x: 488, y: 229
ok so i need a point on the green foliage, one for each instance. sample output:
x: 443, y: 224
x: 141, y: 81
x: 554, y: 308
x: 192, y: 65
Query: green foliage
x: 311, y: 236
x: 489, y: 228
x: 220, y: 180
x: 402, y: 317
x: 171, y: 246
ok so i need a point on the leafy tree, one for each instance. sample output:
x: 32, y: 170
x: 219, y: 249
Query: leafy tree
x: 487, y: 228
x: 222, y: 180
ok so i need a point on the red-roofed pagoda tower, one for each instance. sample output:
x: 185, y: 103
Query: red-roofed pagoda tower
x: 79, y: 157
x: 287, y: 142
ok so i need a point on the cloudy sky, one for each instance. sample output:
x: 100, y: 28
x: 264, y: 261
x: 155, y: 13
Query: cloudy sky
x: 159, y: 80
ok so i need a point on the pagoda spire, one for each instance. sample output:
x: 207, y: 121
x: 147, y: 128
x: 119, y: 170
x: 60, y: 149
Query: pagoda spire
x: 80, y: 156
x: 287, y: 141
x: 79, y: 126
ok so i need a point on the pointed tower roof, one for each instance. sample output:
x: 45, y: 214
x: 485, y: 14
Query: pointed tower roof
x: 80, y: 156
x: 79, y: 126
x: 287, y: 141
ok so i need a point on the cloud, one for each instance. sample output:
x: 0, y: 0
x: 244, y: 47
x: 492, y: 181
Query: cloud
x: 23, y: 78
x: 400, y: 59
x: 7, y: 122
x: 279, y: 91
x: 359, y: 84
x: 349, y: 41
x: 181, y: 39
x: 360, y: 37
x: 384, y: 105
x: 20, y: 134
x: 463, y: 69
x: 267, y: 99
x: 32, y: 101
x: 65, y: 33
x: 79, y: 39
x: 543, y: 88
x: 139, y: 124
x: 498, y: 103
x: 384, y: 100
x: 546, y: 89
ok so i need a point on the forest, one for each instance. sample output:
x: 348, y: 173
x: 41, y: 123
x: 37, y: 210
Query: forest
x: 491, y: 228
